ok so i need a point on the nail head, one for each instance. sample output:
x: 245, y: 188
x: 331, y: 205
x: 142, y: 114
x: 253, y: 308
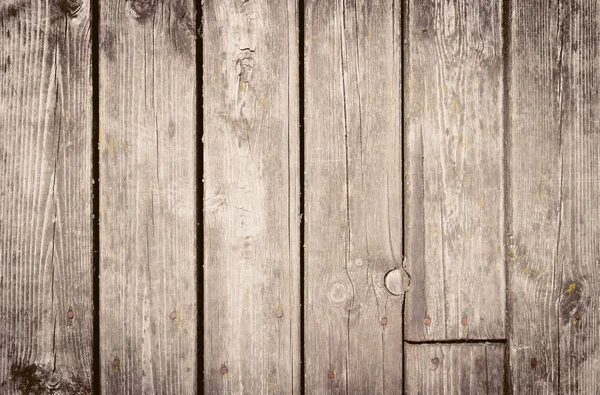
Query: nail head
x: 383, y: 321
x: 331, y: 375
x: 427, y: 320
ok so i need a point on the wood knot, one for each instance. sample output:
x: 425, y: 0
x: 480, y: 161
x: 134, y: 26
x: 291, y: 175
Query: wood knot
x: 71, y: 8
x: 397, y: 281
x: 142, y: 10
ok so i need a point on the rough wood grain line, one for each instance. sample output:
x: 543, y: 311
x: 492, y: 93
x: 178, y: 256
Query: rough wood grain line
x: 353, y: 232
x: 45, y: 197
x: 455, y: 369
x: 251, y: 197
x: 453, y: 171
x: 555, y: 186
x: 147, y: 197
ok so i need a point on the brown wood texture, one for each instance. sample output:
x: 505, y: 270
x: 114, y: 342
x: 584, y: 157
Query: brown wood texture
x: 554, y: 189
x: 353, y: 231
x: 148, y: 279
x: 251, y: 197
x: 455, y: 369
x: 45, y: 197
x: 454, y: 171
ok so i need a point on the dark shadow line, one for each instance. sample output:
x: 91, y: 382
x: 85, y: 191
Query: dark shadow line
x: 95, y: 37
x: 403, y: 42
x: 301, y: 87
x: 199, y: 200
x: 506, y: 71
x: 458, y: 341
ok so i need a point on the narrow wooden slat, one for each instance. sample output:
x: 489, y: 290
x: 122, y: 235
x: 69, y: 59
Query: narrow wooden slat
x: 251, y: 197
x: 147, y: 197
x: 353, y: 143
x: 554, y: 192
x: 454, y: 171
x: 45, y: 197
x: 455, y: 369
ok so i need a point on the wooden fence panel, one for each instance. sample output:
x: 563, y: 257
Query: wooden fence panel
x: 554, y: 191
x: 355, y: 282
x: 454, y: 171
x: 45, y: 197
x: 434, y: 369
x: 147, y: 197
x: 251, y: 197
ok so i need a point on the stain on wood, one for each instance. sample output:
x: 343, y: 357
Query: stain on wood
x: 454, y: 368
x: 251, y: 197
x: 554, y: 188
x: 353, y: 231
x: 147, y: 198
x: 45, y: 198
x: 454, y: 171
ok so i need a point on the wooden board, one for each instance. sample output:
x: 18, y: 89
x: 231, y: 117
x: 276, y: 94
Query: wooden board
x: 454, y: 171
x: 554, y: 190
x: 251, y: 197
x: 455, y: 368
x: 45, y: 197
x: 148, y: 307
x: 353, y: 231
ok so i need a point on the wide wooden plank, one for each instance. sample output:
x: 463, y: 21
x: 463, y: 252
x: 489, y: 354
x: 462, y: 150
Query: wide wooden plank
x: 554, y: 191
x: 251, y: 197
x: 455, y: 369
x: 147, y: 197
x: 45, y: 197
x: 454, y: 171
x: 355, y: 282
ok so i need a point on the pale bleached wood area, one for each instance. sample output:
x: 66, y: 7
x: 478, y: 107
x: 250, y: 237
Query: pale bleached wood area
x: 299, y: 197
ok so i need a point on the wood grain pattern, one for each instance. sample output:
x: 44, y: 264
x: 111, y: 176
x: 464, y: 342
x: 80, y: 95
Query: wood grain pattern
x: 45, y: 197
x: 554, y: 190
x: 251, y: 197
x: 147, y: 197
x: 455, y: 369
x: 454, y: 171
x: 353, y: 233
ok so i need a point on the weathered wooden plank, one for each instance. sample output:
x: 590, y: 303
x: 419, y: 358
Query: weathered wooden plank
x: 147, y: 197
x: 353, y: 233
x: 554, y: 190
x: 454, y: 171
x: 45, y: 197
x: 455, y: 368
x: 251, y: 197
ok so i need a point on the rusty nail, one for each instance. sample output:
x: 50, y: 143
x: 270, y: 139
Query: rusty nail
x: 279, y: 312
x: 224, y: 369
x: 330, y: 375
x: 435, y: 361
x: 464, y: 321
x: 173, y: 315
x: 117, y: 363
x: 533, y: 362
x: 427, y: 320
x: 383, y: 321
x: 576, y: 317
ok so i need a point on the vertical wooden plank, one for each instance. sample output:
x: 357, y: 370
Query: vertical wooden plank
x: 455, y: 369
x: 251, y: 197
x: 45, y: 197
x: 353, y: 143
x: 454, y: 171
x: 147, y: 197
x: 555, y: 185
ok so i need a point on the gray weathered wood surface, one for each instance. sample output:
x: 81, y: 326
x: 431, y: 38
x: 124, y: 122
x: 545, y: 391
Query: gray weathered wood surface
x: 353, y: 233
x: 454, y: 171
x: 147, y: 197
x: 455, y: 369
x: 45, y: 197
x: 554, y: 193
x: 251, y: 197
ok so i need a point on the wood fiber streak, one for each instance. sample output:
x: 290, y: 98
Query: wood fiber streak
x: 353, y: 232
x: 454, y: 171
x: 455, y: 369
x: 45, y: 198
x: 147, y: 197
x: 251, y: 197
x: 555, y: 186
